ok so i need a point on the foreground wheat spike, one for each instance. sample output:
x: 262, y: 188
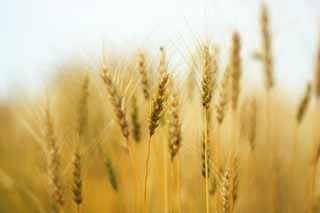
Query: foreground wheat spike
x: 82, y: 123
x: 77, y: 180
x: 144, y: 76
x: 235, y: 63
x: 122, y: 121
x: 207, y: 86
x: 56, y: 196
x: 158, y: 104
x: 208, y: 78
x: 136, y: 127
x: 266, y: 48
x: 115, y: 101
x: 174, y: 127
x: 155, y: 115
x: 304, y: 104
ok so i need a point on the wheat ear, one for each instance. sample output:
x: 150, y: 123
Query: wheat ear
x: 155, y: 115
x: 136, y: 127
x: 266, y: 48
x: 144, y: 76
x: 82, y: 114
x: 56, y: 196
x: 115, y: 100
x: 207, y: 86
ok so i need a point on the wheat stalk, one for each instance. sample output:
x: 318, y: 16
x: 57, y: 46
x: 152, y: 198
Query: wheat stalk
x: 122, y: 121
x: 208, y: 82
x: 82, y: 122
x: 155, y: 115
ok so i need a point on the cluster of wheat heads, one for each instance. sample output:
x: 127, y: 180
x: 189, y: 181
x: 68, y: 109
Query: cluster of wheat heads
x: 133, y: 136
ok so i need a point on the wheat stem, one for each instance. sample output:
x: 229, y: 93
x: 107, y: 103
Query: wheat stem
x: 205, y: 114
x: 146, y: 175
x: 179, y: 185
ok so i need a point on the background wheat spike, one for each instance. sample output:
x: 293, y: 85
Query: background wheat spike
x: 56, y: 196
x: 235, y: 66
x: 174, y: 126
x: 266, y: 47
x: 142, y: 67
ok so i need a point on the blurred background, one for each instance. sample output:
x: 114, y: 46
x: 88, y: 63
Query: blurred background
x: 37, y: 35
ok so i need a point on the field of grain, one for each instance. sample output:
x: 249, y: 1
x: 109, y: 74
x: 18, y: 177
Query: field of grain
x: 133, y: 135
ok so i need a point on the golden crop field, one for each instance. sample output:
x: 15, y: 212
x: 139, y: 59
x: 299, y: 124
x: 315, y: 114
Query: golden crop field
x: 133, y: 135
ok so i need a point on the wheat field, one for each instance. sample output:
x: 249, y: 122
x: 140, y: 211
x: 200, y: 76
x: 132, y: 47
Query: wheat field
x: 134, y: 135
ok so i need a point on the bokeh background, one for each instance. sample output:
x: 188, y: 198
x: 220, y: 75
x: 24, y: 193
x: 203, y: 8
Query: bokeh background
x: 37, y: 35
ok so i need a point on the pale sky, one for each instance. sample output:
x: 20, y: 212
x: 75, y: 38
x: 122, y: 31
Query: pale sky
x: 36, y: 34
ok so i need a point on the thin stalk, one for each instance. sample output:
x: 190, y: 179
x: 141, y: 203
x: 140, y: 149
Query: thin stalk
x: 179, y: 184
x: 311, y: 185
x: 313, y: 164
x: 159, y: 167
x: 130, y: 155
x: 165, y: 187
x: 205, y: 115
x: 234, y: 147
x: 172, y: 184
x: 275, y: 153
x: 146, y: 175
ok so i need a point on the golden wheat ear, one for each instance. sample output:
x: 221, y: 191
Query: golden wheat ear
x: 136, y: 127
x: 266, y: 54
x: 77, y: 180
x: 223, y: 95
x: 235, y: 66
x: 174, y: 126
x: 142, y: 67
x: 158, y: 103
x: 54, y: 167
x: 157, y: 108
x: 115, y: 100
